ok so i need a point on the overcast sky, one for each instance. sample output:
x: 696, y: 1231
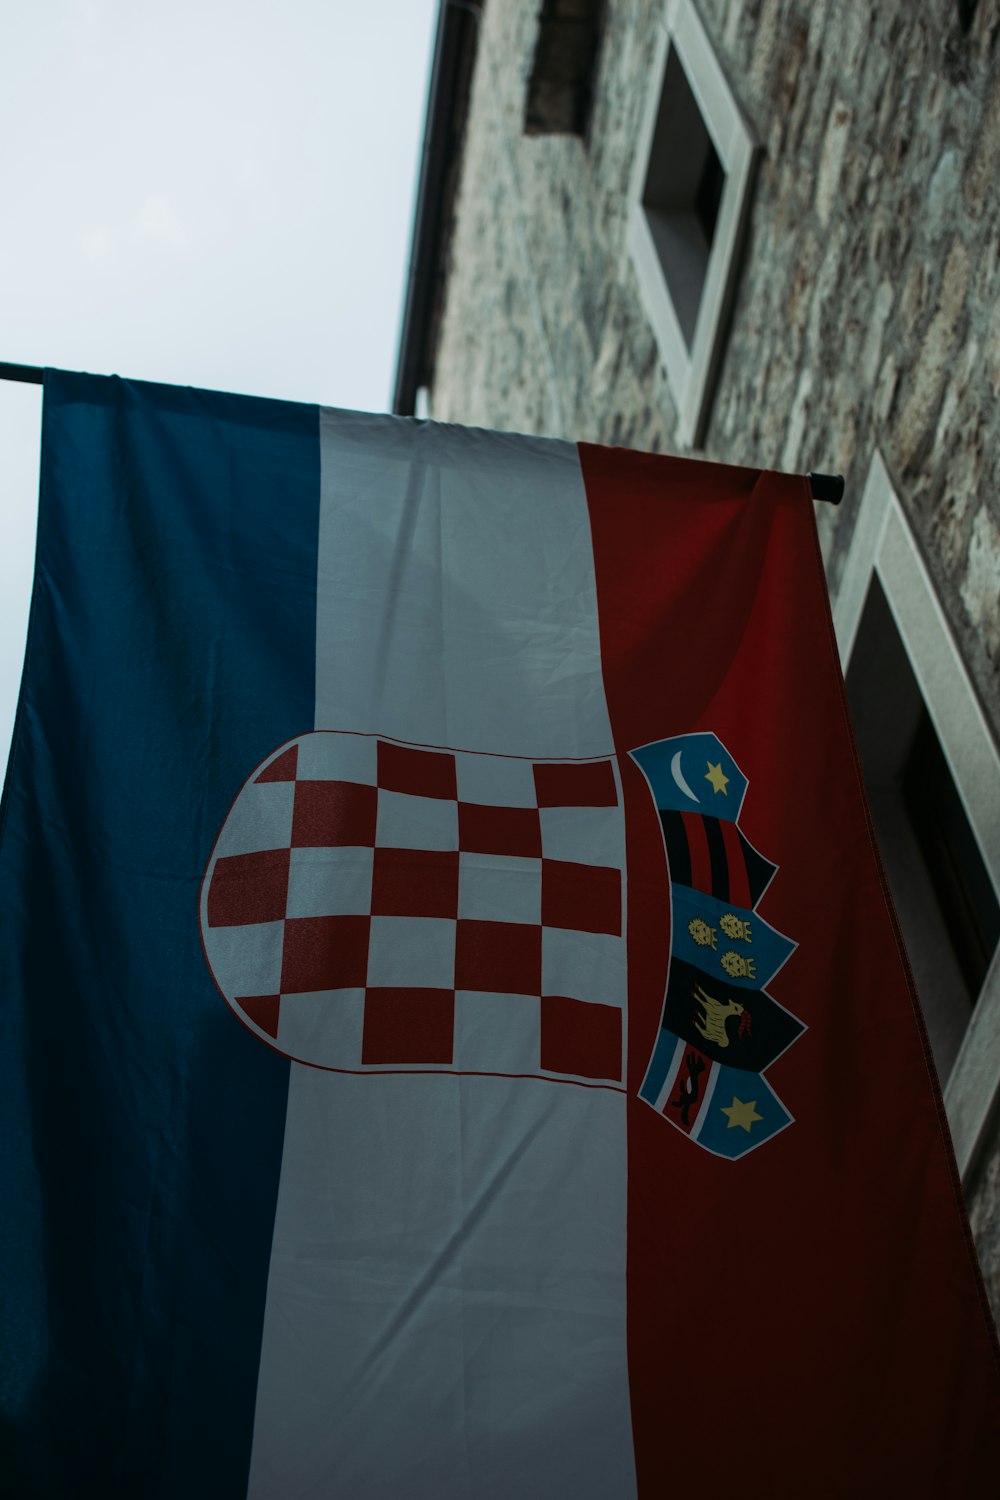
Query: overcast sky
x: 216, y: 194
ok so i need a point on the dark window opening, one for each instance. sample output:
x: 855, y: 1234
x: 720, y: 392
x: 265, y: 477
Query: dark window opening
x: 955, y: 866
x: 966, y: 14
x: 943, y: 895
x: 709, y: 194
x: 560, y: 90
x: 682, y: 194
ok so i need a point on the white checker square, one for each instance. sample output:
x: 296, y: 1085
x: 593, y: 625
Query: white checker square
x: 497, y: 1033
x: 583, y: 966
x: 499, y: 888
x: 323, y: 1028
x: 583, y: 835
x: 408, y: 822
x: 261, y: 819
x: 246, y: 960
x: 495, y: 780
x: 329, y: 756
x: 412, y: 952
x: 330, y: 882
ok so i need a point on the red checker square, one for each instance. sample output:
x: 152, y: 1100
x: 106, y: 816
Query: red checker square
x: 248, y: 888
x: 582, y: 1039
x: 264, y: 1010
x: 591, y: 784
x: 331, y: 814
x: 587, y: 898
x: 283, y: 768
x: 421, y: 773
x: 324, y: 953
x: 409, y: 1026
x: 415, y: 883
x: 503, y: 957
x: 499, y: 830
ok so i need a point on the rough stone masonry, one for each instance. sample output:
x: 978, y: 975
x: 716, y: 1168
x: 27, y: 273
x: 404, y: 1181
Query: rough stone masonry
x: 867, y: 313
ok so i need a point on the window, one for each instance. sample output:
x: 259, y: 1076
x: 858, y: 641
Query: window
x: 689, y: 198
x: 562, y: 76
x: 933, y: 779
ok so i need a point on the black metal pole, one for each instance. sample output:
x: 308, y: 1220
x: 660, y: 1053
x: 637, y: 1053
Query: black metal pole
x: 26, y: 374
x: 829, y: 487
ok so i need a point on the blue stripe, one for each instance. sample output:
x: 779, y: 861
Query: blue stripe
x: 172, y: 645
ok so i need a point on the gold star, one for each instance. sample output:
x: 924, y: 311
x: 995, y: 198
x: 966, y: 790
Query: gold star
x: 715, y: 775
x: 741, y: 1114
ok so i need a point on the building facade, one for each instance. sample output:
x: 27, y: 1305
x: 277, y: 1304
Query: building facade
x: 767, y: 232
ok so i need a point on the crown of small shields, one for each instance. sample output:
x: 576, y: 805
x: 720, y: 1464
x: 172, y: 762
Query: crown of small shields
x: 720, y: 1029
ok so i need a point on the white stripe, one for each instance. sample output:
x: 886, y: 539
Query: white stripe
x: 668, y: 1082
x: 713, y: 1078
x: 446, y: 1302
x: 457, y: 603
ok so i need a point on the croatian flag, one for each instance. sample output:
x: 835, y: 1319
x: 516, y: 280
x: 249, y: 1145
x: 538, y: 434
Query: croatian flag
x: 456, y: 1041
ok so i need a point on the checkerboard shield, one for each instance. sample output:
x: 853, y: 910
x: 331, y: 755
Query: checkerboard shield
x: 373, y: 905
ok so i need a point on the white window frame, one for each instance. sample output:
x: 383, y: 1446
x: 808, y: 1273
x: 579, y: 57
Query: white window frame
x: 883, y: 546
x: 691, y: 372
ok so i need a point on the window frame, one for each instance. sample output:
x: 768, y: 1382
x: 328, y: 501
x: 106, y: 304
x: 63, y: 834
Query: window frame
x: 883, y: 546
x: 691, y: 372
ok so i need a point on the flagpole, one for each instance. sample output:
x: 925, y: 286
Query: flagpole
x: 828, y: 487
x: 26, y: 374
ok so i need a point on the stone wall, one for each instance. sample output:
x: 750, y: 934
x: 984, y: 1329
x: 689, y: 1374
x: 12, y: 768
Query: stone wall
x: 868, y: 307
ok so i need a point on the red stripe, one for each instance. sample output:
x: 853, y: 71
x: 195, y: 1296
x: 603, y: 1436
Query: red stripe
x: 701, y: 860
x: 739, y: 885
x: 713, y: 618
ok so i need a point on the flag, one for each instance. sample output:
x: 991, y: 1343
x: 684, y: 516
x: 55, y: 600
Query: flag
x: 457, y: 1041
